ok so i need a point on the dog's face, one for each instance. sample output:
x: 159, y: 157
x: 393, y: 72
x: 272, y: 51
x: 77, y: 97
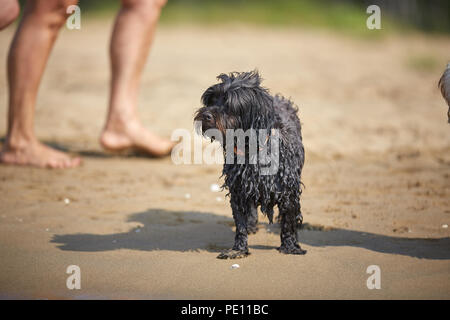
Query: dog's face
x: 237, y: 102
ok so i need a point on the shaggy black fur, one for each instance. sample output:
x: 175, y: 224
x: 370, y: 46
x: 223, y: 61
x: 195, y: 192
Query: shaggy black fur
x: 239, y: 102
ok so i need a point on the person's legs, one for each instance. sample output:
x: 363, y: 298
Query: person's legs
x: 130, y: 42
x: 9, y: 12
x: 27, y: 58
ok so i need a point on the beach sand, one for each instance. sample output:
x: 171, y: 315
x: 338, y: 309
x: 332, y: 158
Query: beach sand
x: 377, y: 173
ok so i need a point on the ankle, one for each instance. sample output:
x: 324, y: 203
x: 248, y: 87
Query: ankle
x: 19, y: 142
x: 120, y: 122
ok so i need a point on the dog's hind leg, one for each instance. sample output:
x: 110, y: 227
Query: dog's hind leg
x: 240, y: 248
x: 252, y: 219
x: 290, y: 214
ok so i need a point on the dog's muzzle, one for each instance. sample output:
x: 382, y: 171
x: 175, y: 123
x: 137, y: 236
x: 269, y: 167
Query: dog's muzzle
x: 206, y: 118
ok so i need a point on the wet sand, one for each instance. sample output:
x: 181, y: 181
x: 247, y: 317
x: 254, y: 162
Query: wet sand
x: 377, y: 173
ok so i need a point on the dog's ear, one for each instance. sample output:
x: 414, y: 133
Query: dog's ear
x: 209, y: 97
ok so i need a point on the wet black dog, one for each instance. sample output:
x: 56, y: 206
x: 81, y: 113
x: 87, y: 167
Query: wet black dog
x: 271, y: 126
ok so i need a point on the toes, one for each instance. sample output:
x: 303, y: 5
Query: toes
x: 75, y: 162
x: 71, y: 163
x: 52, y: 164
x: 63, y: 163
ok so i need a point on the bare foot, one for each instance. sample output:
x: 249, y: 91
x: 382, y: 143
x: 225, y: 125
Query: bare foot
x: 36, y: 154
x: 132, y: 135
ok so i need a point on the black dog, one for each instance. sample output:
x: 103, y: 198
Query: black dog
x: 239, y: 102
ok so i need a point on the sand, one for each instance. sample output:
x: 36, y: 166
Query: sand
x: 377, y: 173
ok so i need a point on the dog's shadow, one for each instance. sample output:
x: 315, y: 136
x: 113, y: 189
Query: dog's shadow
x: 193, y: 231
x: 159, y: 230
x: 423, y: 248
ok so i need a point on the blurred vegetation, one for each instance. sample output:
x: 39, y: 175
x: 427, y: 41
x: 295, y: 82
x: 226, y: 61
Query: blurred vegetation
x: 343, y: 15
x: 423, y: 63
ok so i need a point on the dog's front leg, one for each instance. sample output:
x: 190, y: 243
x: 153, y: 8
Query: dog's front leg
x: 240, y: 248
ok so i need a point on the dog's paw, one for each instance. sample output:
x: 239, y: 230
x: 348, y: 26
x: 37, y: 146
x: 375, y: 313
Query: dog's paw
x: 291, y: 250
x: 233, y: 254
